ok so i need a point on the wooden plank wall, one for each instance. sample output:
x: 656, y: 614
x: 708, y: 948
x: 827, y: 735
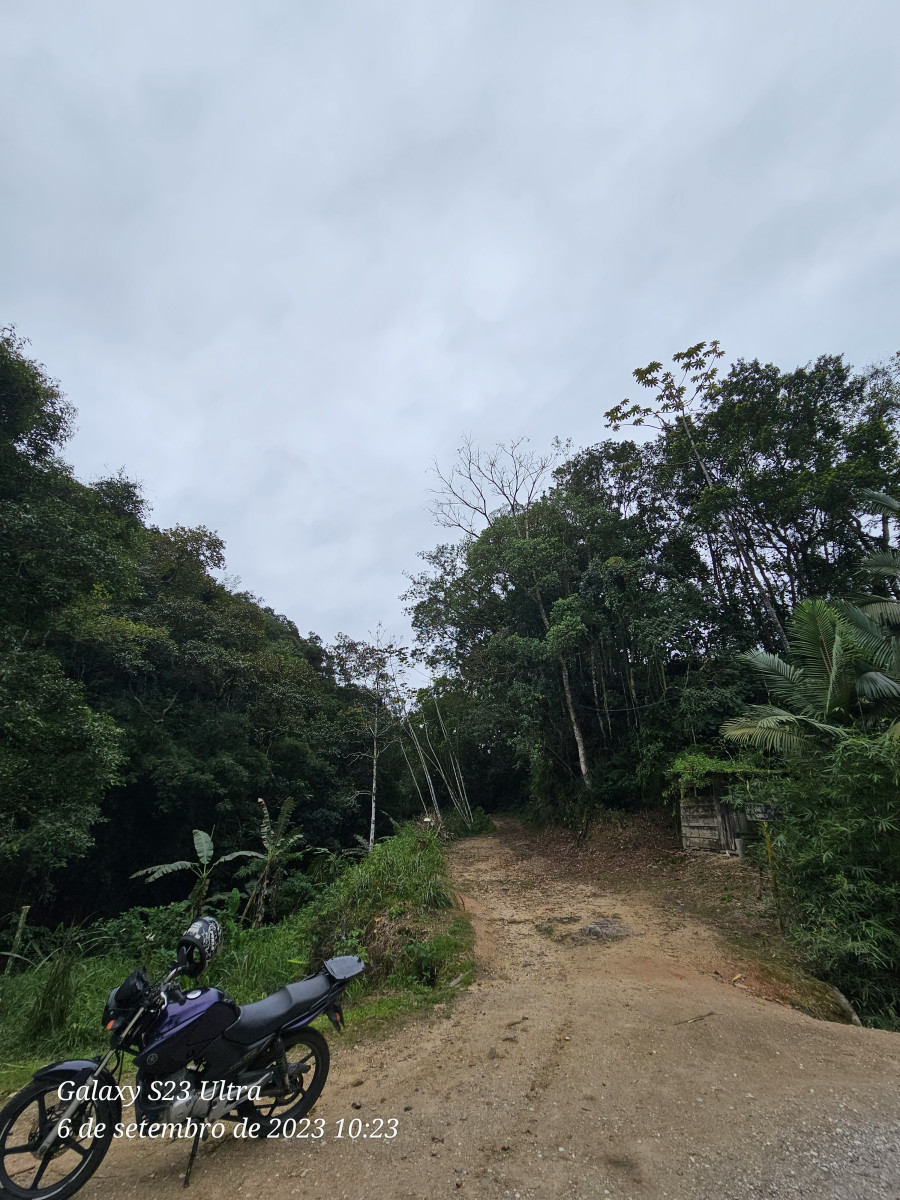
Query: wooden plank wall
x: 700, y: 828
x: 709, y: 825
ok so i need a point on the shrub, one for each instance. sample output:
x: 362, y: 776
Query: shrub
x: 838, y: 859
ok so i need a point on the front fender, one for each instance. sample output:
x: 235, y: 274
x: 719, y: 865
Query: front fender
x: 79, y: 1071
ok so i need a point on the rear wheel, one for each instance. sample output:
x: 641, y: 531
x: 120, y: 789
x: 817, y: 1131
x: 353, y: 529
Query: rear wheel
x: 25, y: 1122
x: 307, y: 1057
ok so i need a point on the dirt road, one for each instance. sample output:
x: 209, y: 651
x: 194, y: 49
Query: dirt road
x: 629, y: 1064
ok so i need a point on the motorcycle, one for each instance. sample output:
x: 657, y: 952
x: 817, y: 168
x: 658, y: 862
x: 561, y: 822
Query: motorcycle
x: 200, y: 1059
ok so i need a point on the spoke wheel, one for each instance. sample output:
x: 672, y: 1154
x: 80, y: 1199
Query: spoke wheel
x: 308, y: 1060
x: 25, y: 1122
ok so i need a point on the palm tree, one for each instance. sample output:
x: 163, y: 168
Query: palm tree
x: 842, y: 673
x: 202, y: 868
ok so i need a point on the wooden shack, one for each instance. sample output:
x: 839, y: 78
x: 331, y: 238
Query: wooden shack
x: 707, y: 823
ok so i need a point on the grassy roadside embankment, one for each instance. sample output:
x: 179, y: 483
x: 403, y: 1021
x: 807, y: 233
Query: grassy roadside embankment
x: 394, y: 907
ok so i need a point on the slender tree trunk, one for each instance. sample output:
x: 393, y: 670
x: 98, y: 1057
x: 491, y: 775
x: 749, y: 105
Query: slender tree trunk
x: 596, y: 694
x: 17, y: 940
x: 567, y: 688
x: 576, y: 728
x: 415, y: 780
x: 374, y: 783
x: 464, y: 807
x: 740, y: 546
x: 427, y: 773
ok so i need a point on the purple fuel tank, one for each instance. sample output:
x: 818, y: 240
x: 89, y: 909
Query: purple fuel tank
x: 185, y: 1030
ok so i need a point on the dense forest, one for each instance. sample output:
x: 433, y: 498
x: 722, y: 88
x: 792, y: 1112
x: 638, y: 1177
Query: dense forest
x: 141, y: 697
x: 598, y: 621
x: 719, y: 598
x: 716, y: 591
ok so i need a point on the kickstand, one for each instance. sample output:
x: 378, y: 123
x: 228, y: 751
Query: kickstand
x: 201, y: 1133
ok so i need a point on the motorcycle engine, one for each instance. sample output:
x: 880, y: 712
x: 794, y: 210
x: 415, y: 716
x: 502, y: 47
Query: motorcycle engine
x: 172, y: 1098
x: 184, y: 1096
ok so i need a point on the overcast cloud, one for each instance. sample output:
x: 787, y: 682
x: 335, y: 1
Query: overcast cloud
x: 281, y: 255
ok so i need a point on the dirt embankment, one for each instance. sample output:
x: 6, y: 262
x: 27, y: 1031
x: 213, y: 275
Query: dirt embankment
x: 645, y: 1058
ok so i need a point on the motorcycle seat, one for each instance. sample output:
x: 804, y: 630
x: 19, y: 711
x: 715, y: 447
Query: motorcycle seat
x: 265, y: 1017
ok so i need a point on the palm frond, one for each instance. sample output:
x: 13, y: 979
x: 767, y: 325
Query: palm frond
x: 814, y: 627
x: 880, y: 502
x: 838, y: 658
x: 780, y: 677
x: 862, y: 620
x: 885, y: 563
x: 875, y: 685
x: 283, y: 817
x: 881, y: 609
x: 879, y: 644
x: 265, y: 823
x: 772, y: 728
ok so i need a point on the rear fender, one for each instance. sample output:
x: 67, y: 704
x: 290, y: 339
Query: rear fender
x: 329, y: 1006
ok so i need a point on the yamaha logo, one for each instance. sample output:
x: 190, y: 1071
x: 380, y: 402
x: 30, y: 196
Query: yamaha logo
x: 151, y: 1059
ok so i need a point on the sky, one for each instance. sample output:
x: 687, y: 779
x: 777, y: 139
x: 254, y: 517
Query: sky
x: 282, y: 256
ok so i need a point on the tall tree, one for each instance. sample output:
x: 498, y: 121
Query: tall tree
x: 498, y: 491
x: 370, y: 668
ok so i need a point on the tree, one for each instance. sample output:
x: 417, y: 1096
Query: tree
x: 35, y: 417
x: 57, y: 760
x: 768, y: 467
x: 672, y: 412
x: 500, y: 489
x: 370, y: 668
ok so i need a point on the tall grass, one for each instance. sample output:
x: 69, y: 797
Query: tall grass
x: 390, y: 907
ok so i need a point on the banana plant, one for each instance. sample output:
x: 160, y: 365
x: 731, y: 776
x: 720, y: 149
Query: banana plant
x: 282, y: 846
x: 202, y: 868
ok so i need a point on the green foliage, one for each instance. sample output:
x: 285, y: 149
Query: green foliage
x: 393, y: 907
x: 138, y: 691
x: 842, y: 673
x: 146, y: 935
x: 57, y: 759
x: 422, y: 961
x: 481, y: 823
x: 202, y: 869
x: 34, y: 415
x: 407, y: 869
x: 839, y: 846
x: 838, y: 859
x: 692, y: 768
x: 282, y: 847
x: 76, y: 1027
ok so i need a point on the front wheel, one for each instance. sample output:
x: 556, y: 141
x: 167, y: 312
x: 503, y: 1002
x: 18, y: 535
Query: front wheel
x: 308, y: 1058
x: 25, y: 1122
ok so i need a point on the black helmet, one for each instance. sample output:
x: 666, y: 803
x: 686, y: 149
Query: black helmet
x: 199, y: 945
